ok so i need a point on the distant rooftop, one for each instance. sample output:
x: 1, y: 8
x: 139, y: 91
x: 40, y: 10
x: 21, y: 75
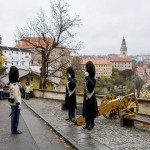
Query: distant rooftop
x: 95, y: 61
x: 120, y: 59
x: 14, y: 49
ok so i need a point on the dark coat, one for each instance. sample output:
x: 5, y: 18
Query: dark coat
x: 70, y: 101
x: 90, y: 109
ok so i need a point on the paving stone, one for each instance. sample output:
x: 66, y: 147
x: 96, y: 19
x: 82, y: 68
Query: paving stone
x: 14, y: 142
x: 107, y: 133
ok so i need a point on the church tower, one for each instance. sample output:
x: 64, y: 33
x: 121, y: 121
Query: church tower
x: 123, y: 49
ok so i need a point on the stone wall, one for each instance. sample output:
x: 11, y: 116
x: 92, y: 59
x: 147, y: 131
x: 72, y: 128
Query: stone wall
x: 60, y: 95
x: 144, y: 104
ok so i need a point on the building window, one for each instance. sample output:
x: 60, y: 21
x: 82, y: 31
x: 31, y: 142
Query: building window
x: 12, y: 63
x: 12, y: 57
x: 12, y: 52
x: 5, y: 51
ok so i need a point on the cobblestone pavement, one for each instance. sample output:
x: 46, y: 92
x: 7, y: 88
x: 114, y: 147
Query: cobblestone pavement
x: 14, y: 142
x: 36, y: 133
x: 107, y: 133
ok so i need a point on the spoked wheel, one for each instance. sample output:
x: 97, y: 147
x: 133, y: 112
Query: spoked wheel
x: 130, y: 105
x: 114, y: 113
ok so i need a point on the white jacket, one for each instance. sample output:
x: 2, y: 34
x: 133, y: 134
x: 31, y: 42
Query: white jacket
x: 15, y: 93
x: 27, y: 89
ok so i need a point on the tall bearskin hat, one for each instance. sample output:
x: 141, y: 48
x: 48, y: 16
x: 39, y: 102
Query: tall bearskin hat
x: 90, y: 68
x: 13, y: 73
x: 71, y: 72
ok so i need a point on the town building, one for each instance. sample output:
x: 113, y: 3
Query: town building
x: 16, y: 57
x: 34, y: 78
x: 123, y: 49
x: 122, y: 62
x: 103, y: 66
x: 143, y: 72
x: 57, y: 57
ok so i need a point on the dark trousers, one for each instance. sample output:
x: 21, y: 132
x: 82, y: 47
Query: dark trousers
x: 90, y: 122
x: 31, y: 94
x: 71, y: 113
x: 27, y: 96
x: 14, y: 118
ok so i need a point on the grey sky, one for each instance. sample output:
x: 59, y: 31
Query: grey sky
x: 105, y: 22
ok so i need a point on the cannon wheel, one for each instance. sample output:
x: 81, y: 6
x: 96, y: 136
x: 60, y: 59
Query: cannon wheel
x: 114, y: 113
x: 129, y: 105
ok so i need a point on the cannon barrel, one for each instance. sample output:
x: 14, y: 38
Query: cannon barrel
x: 109, y: 106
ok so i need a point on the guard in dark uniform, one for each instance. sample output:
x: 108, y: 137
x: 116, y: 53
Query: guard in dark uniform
x: 70, y: 99
x: 90, y: 109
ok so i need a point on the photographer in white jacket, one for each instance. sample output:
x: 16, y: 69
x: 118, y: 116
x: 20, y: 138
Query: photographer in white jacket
x: 15, y: 99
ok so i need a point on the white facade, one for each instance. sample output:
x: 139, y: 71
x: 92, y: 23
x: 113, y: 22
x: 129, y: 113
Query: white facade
x: 122, y: 65
x: 16, y: 57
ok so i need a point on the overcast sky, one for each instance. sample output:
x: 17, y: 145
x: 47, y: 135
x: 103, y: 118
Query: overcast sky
x: 105, y: 22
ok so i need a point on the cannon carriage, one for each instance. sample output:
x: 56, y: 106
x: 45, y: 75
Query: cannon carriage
x: 112, y: 106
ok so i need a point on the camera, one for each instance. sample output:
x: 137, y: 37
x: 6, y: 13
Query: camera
x: 11, y: 100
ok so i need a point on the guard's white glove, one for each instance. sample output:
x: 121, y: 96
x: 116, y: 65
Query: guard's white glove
x: 86, y: 74
x: 69, y: 76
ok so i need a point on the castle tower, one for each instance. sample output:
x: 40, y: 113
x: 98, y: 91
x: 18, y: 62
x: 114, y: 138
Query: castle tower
x: 123, y: 49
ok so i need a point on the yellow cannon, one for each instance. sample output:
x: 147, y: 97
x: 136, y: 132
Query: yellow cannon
x: 112, y: 106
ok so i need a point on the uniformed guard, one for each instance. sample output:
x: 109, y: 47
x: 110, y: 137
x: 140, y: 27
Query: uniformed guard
x: 70, y: 99
x: 90, y: 109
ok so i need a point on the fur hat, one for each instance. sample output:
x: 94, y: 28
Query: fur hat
x: 90, y: 68
x: 13, y: 74
x: 71, y: 72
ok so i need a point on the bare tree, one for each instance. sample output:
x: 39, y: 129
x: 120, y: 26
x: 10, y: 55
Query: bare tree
x: 53, y: 31
x: 76, y: 64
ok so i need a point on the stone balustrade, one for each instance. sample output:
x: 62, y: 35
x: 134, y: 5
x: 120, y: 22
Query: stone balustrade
x: 144, y: 104
x: 39, y: 93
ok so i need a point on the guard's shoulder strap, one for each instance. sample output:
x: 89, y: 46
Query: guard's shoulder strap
x: 70, y: 92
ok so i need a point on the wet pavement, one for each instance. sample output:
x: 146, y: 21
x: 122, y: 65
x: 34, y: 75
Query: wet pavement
x: 107, y: 134
x: 37, y: 135
x: 14, y: 142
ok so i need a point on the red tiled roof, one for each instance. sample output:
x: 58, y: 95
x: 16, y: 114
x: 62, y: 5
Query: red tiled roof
x: 95, y: 61
x: 145, y: 66
x: 35, y: 40
x: 120, y: 59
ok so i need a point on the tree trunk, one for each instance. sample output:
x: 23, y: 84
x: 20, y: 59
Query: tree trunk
x: 43, y: 73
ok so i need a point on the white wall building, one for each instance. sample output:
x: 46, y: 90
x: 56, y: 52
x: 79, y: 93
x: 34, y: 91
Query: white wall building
x: 16, y: 57
x: 121, y: 63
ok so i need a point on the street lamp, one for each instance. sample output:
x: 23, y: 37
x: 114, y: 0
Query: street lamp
x: 30, y: 71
